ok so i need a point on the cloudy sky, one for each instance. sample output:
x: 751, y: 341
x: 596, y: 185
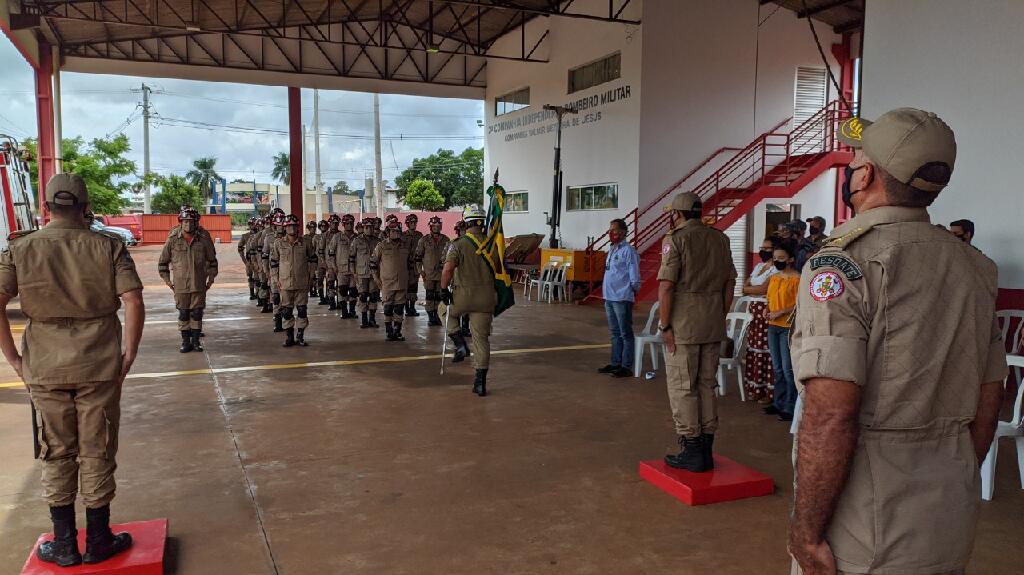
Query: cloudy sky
x: 242, y: 126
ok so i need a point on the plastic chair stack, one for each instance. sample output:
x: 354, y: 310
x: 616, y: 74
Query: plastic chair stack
x: 736, y: 324
x: 649, y: 337
x: 1012, y: 428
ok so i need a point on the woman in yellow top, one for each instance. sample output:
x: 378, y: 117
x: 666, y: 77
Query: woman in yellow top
x: 782, y: 289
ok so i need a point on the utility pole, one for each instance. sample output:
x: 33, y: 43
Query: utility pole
x: 555, y: 219
x: 145, y: 148
x: 316, y: 153
x: 378, y: 185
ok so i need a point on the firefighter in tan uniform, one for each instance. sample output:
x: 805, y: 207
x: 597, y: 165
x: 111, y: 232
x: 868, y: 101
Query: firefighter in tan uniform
x: 390, y: 266
x: 411, y: 238
x: 311, y: 236
x: 429, y: 260
x: 695, y: 291
x: 276, y: 232
x: 321, y: 267
x: 330, y: 297
x: 71, y: 282
x: 362, y: 248
x: 188, y: 265
x: 339, y: 253
x: 290, y: 260
x: 254, y: 251
x: 473, y: 295
x: 460, y: 230
x: 250, y: 274
x: 900, y: 367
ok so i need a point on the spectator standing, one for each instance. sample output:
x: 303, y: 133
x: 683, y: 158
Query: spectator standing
x: 963, y: 230
x: 621, y: 283
x: 758, y: 364
x: 816, y: 231
x: 782, y: 288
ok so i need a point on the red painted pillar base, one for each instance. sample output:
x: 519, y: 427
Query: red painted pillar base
x: 44, y: 119
x: 295, y: 151
x: 145, y: 557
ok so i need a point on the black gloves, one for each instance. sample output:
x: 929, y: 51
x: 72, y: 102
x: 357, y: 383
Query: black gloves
x: 446, y: 296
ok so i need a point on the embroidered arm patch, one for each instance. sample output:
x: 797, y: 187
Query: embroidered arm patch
x: 848, y: 267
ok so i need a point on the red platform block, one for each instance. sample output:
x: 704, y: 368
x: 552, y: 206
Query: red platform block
x: 146, y: 556
x: 729, y: 481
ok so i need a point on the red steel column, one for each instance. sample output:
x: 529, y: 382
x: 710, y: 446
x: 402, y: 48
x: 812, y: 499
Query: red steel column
x: 44, y: 118
x: 295, y: 151
x: 841, y: 52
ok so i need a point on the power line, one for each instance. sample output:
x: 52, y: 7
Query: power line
x: 183, y: 123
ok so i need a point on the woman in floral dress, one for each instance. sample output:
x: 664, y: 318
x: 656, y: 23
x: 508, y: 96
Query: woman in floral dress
x: 758, y: 363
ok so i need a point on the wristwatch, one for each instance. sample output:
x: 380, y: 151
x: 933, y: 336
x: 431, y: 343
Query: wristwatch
x: 664, y: 328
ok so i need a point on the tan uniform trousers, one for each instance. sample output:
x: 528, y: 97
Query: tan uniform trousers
x: 394, y: 305
x: 796, y: 570
x: 78, y: 436
x: 190, y: 309
x: 294, y: 308
x: 691, y: 387
x: 480, y: 325
x: 414, y: 286
x: 345, y: 282
x: 367, y: 289
x: 432, y: 287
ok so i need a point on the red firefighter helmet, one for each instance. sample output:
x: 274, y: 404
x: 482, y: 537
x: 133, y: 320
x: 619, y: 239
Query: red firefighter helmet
x: 290, y: 220
x: 435, y: 221
x: 278, y: 219
x: 323, y: 225
x: 188, y: 213
x: 334, y: 218
x: 394, y: 226
x: 411, y: 218
x: 311, y: 225
x: 348, y: 219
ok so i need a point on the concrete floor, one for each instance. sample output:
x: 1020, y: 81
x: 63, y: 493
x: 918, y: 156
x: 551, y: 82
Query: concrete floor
x: 387, y: 467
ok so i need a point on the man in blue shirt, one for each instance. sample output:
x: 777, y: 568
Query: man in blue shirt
x: 621, y: 283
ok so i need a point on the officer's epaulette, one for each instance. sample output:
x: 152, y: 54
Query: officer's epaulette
x: 842, y: 242
x: 18, y: 234
x: 111, y: 235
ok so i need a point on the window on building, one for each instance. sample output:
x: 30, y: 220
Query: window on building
x: 810, y: 95
x: 517, y: 202
x: 589, y: 75
x: 595, y: 197
x: 512, y: 102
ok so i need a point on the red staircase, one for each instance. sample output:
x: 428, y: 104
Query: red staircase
x: 774, y: 165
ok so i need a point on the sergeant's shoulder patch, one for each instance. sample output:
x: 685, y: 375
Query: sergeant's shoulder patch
x: 844, y: 241
x: 837, y: 260
x: 826, y: 285
x: 18, y: 234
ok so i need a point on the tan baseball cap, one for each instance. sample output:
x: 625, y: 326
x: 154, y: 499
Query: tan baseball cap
x: 686, y: 201
x: 903, y: 142
x: 66, y: 190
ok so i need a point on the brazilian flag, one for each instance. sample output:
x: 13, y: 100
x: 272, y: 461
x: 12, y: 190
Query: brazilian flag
x: 492, y: 249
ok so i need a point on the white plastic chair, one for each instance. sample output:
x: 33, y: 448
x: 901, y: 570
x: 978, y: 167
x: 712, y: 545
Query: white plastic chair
x: 648, y: 337
x: 742, y: 304
x: 1012, y: 331
x: 558, y: 285
x: 736, y: 324
x: 1012, y: 428
x: 539, y: 281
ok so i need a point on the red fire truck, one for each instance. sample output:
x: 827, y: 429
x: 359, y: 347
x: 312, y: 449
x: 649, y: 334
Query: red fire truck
x: 17, y: 200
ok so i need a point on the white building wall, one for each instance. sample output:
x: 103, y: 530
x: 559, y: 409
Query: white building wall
x: 599, y: 145
x: 961, y: 60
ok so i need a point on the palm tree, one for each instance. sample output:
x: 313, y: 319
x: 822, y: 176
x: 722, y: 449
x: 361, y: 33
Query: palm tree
x: 282, y: 171
x: 203, y: 175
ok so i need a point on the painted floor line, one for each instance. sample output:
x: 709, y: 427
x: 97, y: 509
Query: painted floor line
x: 335, y: 363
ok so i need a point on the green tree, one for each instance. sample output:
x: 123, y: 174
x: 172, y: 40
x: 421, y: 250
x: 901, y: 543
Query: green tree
x: 203, y: 174
x: 175, y: 191
x: 422, y: 195
x: 282, y: 171
x: 457, y: 177
x: 341, y: 188
x: 101, y: 163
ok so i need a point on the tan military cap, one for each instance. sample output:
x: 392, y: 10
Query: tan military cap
x: 903, y: 142
x: 686, y: 201
x: 66, y: 190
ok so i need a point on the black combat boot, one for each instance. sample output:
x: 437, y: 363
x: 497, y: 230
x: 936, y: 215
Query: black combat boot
x: 480, y: 383
x: 186, y: 341
x: 435, y: 319
x: 267, y: 308
x: 331, y: 304
x: 373, y: 318
x: 197, y: 345
x: 410, y: 309
x: 398, y: 332
x: 691, y: 458
x: 252, y: 289
x: 364, y: 322
x: 461, y: 349
x: 390, y: 331
x: 352, y: 309
x: 277, y: 323
x: 323, y: 300
x: 100, y: 542
x: 709, y: 457
x: 313, y: 291
x: 466, y: 332
x: 289, y: 337
x: 63, y: 550
x: 346, y: 310
x: 300, y: 337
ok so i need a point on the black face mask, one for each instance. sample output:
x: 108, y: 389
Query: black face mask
x: 765, y: 255
x: 847, y: 194
x: 815, y: 230
x: 780, y: 266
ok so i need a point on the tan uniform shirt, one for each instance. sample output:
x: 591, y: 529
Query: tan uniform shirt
x: 907, y: 312
x: 339, y: 254
x: 429, y: 255
x: 698, y: 259
x: 241, y: 246
x: 390, y: 262
x: 188, y: 265
x: 411, y: 239
x: 269, y: 238
x: 290, y: 262
x: 474, y: 281
x: 362, y: 249
x: 69, y: 279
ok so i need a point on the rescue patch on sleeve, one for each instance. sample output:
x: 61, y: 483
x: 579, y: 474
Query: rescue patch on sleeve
x: 666, y: 247
x: 826, y: 286
x: 842, y: 263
